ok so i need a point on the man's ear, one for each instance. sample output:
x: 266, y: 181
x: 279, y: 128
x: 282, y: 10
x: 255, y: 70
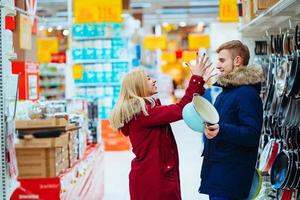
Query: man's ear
x: 238, y: 61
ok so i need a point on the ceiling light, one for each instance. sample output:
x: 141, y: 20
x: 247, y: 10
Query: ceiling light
x: 66, y: 32
x: 182, y: 24
x: 59, y: 27
x: 140, y: 5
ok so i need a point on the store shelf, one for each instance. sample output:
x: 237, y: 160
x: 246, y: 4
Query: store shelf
x: 98, y: 61
x: 97, y: 84
x: 97, y: 38
x: 274, y: 18
x: 52, y: 74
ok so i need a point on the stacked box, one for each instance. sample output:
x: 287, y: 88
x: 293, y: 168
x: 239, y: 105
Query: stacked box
x: 42, y: 158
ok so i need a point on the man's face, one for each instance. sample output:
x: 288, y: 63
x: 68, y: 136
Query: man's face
x: 225, y: 61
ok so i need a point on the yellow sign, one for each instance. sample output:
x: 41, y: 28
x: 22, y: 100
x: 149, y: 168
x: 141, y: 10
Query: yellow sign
x: 189, y: 55
x: 77, y: 72
x: 228, y: 11
x: 155, y: 42
x: 168, y: 56
x: 45, y: 47
x: 25, y: 32
x: 197, y: 41
x: 88, y: 11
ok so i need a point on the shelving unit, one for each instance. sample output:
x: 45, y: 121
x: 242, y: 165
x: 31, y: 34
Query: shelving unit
x: 8, y: 171
x: 283, y: 15
x: 52, y: 80
x: 273, y: 18
x: 101, y: 49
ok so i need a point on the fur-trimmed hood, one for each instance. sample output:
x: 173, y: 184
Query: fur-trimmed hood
x: 250, y: 75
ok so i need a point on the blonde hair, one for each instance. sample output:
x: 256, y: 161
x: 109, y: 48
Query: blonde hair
x: 131, y: 101
x: 237, y: 48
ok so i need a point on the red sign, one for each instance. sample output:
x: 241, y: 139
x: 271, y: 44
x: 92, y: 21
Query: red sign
x: 58, y: 57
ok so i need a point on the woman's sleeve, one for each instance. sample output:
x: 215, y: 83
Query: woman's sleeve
x: 160, y: 115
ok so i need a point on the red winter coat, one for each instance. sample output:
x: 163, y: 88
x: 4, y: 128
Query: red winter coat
x: 154, y: 171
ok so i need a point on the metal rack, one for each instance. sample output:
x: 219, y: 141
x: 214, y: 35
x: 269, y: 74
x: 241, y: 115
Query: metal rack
x: 7, y: 183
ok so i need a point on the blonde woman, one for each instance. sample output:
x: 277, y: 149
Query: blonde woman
x: 154, y: 171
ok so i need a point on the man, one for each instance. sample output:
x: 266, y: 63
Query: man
x: 231, y: 147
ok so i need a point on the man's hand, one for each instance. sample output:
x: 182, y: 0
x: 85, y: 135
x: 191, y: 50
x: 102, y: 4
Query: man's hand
x: 211, y: 131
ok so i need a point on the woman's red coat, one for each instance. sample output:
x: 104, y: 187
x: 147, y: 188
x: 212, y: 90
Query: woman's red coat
x: 154, y: 171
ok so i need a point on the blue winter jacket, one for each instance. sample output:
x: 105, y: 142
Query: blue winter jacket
x: 230, y: 158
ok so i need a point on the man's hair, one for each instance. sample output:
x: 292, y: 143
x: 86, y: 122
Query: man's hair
x: 236, y: 48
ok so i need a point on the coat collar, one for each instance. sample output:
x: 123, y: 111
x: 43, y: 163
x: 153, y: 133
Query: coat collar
x: 250, y: 75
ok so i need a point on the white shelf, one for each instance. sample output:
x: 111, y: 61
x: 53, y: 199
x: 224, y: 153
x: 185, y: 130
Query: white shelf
x: 97, y: 38
x: 96, y: 84
x: 273, y: 18
x: 98, y: 61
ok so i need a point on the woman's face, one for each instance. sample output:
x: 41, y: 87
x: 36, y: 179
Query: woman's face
x: 151, y: 83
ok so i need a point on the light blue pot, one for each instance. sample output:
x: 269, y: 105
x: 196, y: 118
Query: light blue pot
x: 198, y: 112
x: 192, y: 118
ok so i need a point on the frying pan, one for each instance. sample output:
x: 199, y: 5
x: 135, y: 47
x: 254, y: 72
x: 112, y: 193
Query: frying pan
x: 280, y: 169
x: 284, y: 170
x: 284, y: 194
x: 265, y: 155
x: 293, y: 79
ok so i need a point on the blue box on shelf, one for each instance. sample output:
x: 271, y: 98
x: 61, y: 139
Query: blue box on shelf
x: 78, y: 54
x: 89, y: 54
x: 78, y: 30
x: 90, y: 30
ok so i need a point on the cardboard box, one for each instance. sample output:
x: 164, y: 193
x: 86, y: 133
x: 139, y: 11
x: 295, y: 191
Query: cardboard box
x: 271, y: 2
x: 60, y: 141
x: 39, y: 162
x: 248, y: 11
x: 41, y: 123
x: 260, y: 5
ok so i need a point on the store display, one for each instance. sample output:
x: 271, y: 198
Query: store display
x: 54, y: 146
x: 101, y: 69
x: 52, y: 81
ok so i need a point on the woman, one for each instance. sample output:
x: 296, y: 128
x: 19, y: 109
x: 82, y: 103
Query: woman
x: 154, y: 171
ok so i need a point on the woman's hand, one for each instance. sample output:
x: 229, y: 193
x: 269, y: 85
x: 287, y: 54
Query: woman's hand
x: 202, y: 67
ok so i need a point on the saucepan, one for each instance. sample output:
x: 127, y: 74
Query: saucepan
x: 198, y: 112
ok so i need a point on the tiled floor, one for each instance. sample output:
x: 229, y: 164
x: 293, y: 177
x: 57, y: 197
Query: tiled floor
x: 117, y: 166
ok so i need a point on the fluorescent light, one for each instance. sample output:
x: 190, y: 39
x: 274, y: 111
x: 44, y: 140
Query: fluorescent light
x: 182, y: 24
x: 140, y: 5
x: 203, y: 3
x: 66, y: 32
x: 59, y: 27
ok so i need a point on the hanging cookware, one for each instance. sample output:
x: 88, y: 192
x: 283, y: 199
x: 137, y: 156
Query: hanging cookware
x: 284, y: 194
x: 280, y: 169
x: 265, y: 154
x: 284, y: 170
x: 255, y: 186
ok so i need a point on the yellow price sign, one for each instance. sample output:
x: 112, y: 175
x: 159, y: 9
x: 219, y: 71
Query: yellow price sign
x: 88, y: 11
x: 155, y: 42
x: 77, y: 72
x: 189, y: 55
x: 168, y: 56
x: 197, y: 41
x: 45, y: 47
x: 228, y: 11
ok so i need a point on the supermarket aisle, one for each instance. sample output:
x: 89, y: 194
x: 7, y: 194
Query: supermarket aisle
x: 117, y: 166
